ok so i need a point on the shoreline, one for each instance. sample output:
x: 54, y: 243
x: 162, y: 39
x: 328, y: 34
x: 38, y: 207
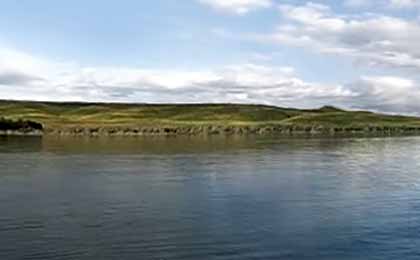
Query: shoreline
x: 280, y: 130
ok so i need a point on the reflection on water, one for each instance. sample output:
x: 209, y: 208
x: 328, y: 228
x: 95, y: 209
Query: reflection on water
x: 209, y: 198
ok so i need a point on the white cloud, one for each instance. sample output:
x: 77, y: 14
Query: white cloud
x: 382, y: 4
x: 387, y: 94
x: 260, y: 57
x: 26, y: 77
x: 357, y: 3
x: 23, y: 76
x: 239, y: 7
x: 374, y: 39
x: 404, y: 3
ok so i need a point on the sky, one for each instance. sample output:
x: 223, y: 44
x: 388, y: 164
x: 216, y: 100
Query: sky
x: 354, y: 54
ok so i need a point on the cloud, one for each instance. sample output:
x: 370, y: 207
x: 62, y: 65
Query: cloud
x: 42, y: 79
x: 357, y: 3
x: 10, y: 78
x: 239, y: 7
x: 382, y: 4
x: 241, y: 83
x: 375, y: 40
x: 387, y: 94
x: 404, y: 3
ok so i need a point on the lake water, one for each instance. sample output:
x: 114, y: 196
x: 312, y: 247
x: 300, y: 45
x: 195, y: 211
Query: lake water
x: 209, y: 198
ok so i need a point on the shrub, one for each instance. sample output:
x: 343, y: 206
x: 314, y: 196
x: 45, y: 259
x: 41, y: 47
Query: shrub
x: 8, y: 124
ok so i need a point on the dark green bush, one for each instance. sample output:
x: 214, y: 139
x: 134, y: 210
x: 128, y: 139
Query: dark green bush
x: 8, y: 124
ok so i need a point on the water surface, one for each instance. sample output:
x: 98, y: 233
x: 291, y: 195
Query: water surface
x: 209, y: 198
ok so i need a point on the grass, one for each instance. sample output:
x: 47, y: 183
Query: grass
x: 353, y: 119
x: 61, y: 115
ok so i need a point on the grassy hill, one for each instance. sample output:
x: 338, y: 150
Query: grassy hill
x: 123, y: 117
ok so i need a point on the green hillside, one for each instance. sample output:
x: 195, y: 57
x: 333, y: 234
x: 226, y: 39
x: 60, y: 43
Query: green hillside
x: 102, y: 115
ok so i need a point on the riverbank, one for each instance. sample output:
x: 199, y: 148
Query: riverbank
x: 101, y: 119
x: 21, y: 133
x: 219, y: 130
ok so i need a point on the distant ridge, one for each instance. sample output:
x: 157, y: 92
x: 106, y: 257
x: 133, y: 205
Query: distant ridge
x: 79, y: 118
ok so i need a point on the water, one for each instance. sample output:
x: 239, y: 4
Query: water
x: 214, y: 198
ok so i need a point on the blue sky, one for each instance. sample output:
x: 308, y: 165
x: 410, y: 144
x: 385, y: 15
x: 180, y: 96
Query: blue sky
x: 351, y: 53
